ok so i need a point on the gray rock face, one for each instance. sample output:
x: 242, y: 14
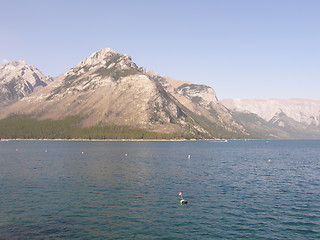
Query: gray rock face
x: 200, y: 94
x: 18, y: 80
x: 205, y: 97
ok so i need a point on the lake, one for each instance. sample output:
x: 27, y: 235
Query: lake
x: 257, y: 189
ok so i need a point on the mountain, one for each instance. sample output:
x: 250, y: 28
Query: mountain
x: 108, y: 96
x: 294, y: 118
x: 305, y: 111
x: 18, y: 80
x: 109, y: 89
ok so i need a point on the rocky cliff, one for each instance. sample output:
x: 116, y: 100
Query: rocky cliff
x: 18, y: 80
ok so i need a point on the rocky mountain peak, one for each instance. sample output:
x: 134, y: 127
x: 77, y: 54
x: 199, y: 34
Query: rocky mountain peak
x: 19, y: 69
x: 102, y: 64
x: 102, y: 68
x: 18, y: 79
x: 98, y: 57
x: 13, y: 68
x: 11, y: 65
x: 107, y: 56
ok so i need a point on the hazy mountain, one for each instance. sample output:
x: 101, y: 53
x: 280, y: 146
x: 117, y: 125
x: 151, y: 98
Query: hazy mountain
x: 108, y: 88
x: 294, y: 118
x: 305, y: 111
x: 17, y: 80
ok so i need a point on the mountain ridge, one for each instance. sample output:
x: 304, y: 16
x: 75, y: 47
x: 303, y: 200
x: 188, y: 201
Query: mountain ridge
x: 108, y: 89
x: 291, y: 118
x: 305, y: 111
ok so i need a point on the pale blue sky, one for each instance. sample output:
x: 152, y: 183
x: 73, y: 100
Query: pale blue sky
x: 241, y: 48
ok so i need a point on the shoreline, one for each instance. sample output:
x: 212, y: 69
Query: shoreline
x: 117, y: 140
x: 106, y: 140
x: 147, y: 140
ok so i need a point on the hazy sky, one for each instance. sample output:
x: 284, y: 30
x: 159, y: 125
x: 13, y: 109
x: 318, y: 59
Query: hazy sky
x: 241, y: 48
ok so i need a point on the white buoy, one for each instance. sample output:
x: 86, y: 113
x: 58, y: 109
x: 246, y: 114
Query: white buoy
x: 189, y: 156
x: 182, y: 201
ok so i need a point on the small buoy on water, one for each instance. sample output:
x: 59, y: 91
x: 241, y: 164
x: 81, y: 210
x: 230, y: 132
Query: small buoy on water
x: 269, y: 160
x: 189, y: 156
x: 82, y: 152
x: 126, y: 154
x: 182, y: 201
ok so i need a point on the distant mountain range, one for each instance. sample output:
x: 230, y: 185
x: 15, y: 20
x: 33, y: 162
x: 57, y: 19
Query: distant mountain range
x: 108, y: 90
x: 298, y: 118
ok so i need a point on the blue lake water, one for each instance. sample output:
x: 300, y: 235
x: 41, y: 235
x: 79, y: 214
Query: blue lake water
x: 129, y: 190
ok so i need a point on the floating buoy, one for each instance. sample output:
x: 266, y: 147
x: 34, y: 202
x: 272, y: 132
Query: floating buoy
x: 182, y: 201
x: 189, y: 156
x: 269, y: 160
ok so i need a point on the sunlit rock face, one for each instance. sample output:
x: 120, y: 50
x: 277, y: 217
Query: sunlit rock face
x: 18, y: 80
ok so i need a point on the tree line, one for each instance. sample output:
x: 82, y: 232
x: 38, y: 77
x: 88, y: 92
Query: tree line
x: 25, y: 127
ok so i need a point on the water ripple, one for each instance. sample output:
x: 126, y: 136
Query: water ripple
x: 128, y: 190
